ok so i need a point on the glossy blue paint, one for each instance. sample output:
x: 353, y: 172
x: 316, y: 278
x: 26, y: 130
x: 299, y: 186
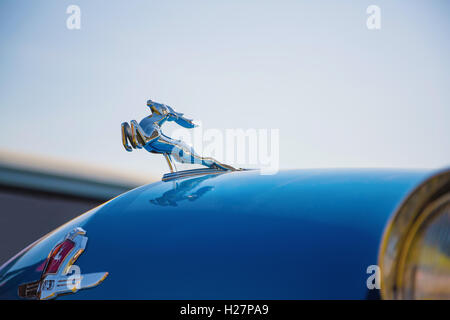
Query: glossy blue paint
x: 299, y: 234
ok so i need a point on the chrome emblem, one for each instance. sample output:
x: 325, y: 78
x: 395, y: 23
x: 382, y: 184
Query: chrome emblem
x: 147, y: 134
x: 60, y: 275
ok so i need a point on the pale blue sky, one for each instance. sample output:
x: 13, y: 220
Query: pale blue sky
x: 342, y: 95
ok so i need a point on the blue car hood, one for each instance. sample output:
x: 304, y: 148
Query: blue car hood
x: 299, y: 234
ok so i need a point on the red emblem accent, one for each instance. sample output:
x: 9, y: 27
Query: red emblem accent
x: 58, y: 255
x: 60, y: 275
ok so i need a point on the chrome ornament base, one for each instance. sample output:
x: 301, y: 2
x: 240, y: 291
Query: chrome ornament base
x: 190, y: 173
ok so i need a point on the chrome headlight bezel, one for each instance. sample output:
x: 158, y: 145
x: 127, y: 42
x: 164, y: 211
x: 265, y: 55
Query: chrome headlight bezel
x: 413, y: 213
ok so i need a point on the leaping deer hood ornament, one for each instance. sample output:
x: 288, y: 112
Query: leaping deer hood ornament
x: 147, y: 134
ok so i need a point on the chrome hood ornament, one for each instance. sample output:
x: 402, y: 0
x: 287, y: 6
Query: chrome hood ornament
x: 60, y: 275
x: 147, y: 134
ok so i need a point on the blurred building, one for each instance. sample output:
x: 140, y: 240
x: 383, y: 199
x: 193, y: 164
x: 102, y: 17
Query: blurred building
x: 35, y: 199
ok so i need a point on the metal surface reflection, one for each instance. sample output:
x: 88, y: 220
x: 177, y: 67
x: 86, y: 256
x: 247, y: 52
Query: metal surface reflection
x: 185, y: 190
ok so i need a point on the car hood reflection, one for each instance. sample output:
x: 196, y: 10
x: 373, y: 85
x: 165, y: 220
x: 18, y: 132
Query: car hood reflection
x: 186, y: 190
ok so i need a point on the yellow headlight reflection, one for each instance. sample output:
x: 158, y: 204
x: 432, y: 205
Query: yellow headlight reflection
x: 414, y: 254
x: 425, y: 262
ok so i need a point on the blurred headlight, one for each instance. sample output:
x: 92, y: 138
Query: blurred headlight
x: 415, y: 252
x: 426, y: 258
